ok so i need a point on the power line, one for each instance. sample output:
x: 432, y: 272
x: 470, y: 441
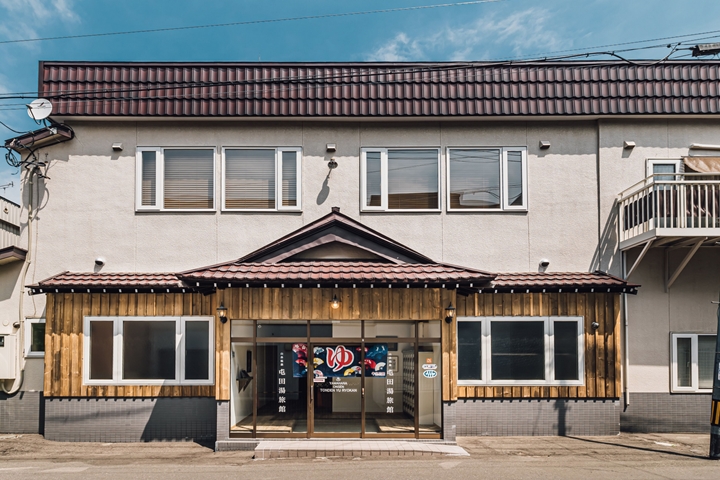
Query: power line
x: 254, y: 22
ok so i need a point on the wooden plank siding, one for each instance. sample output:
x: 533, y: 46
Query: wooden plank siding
x: 65, y: 313
x: 602, y: 346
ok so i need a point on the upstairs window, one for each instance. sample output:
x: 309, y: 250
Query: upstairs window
x: 487, y: 179
x: 261, y: 179
x: 400, y: 179
x: 175, y: 179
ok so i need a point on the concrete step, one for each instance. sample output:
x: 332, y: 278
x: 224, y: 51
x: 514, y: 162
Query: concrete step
x: 353, y: 448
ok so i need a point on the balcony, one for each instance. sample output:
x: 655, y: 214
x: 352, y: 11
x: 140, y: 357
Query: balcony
x: 10, y: 232
x: 671, y: 210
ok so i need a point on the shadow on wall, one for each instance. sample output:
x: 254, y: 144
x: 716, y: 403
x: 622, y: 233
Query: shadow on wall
x: 182, y: 419
x: 605, y: 253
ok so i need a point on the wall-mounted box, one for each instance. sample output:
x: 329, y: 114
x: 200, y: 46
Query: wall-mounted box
x: 8, y: 356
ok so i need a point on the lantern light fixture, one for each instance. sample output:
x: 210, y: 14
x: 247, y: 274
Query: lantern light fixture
x: 222, y: 313
x: 335, y: 303
x: 449, y: 313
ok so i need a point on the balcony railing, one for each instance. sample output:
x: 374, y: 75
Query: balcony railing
x: 670, y: 205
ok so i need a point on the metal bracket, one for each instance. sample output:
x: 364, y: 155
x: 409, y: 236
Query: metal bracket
x: 645, y: 249
x: 669, y: 282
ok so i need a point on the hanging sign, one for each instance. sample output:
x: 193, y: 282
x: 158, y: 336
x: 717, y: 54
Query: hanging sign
x: 340, y: 361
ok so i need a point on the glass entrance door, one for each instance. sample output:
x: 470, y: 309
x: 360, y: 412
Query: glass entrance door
x: 337, y: 388
x: 347, y: 379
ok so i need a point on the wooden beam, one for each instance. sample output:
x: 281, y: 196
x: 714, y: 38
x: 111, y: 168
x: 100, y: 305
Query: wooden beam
x: 685, y: 261
x: 645, y: 249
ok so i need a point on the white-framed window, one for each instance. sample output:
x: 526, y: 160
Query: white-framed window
x: 400, y: 179
x: 261, y: 179
x: 657, y: 166
x: 34, y: 337
x: 148, y: 351
x: 175, y: 179
x: 487, y: 179
x: 520, y: 351
x: 693, y: 358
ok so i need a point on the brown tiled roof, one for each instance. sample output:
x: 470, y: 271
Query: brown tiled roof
x: 340, y: 272
x: 114, y: 281
x: 554, y: 281
x: 380, y: 89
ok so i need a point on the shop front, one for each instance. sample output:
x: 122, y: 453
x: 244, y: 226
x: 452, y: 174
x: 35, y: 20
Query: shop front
x: 364, y: 379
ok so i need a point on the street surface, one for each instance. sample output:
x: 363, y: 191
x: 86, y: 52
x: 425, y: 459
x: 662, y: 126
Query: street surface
x: 627, y: 456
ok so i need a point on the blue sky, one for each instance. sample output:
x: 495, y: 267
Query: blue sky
x: 499, y: 30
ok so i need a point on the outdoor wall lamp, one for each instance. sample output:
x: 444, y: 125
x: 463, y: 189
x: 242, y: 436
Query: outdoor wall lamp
x: 332, y: 163
x: 222, y: 313
x: 449, y: 313
x: 595, y: 325
x: 335, y: 303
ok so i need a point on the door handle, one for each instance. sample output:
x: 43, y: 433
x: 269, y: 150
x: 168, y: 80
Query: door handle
x: 362, y: 390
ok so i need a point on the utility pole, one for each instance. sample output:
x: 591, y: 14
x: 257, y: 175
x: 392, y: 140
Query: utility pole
x: 715, y: 409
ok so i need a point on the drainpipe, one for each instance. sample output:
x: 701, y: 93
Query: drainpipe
x: 626, y: 358
x: 19, y: 370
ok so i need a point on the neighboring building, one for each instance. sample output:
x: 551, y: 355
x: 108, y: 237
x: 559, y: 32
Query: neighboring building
x: 197, y: 282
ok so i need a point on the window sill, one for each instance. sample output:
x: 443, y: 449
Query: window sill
x: 692, y: 390
x: 519, y: 383
x: 261, y: 210
x: 148, y: 383
x: 35, y: 355
x: 173, y: 210
x: 418, y: 210
x: 487, y: 210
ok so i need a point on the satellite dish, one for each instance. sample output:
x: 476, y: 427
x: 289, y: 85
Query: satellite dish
x: 39, y: 109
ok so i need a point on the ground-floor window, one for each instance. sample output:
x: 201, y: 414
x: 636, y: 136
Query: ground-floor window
x: 693, y: 358
x: 341, y: 378
x: 148, y: 350
x: 34, y: 337
x: 520, y: 350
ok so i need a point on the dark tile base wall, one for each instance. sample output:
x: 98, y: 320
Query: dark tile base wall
x: 531, y: 417
x: 21, y: 413
x: 667, y: 413
x: 130, y: 419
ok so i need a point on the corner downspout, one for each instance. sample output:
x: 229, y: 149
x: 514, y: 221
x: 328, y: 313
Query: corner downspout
x: 626, y: 360
x: 19, y: 370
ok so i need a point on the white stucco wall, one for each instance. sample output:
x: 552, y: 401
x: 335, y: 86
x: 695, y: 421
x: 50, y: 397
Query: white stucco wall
x: 88, y: 210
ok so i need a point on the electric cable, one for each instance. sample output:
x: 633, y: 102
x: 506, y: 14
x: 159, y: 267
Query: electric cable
x: 254, y: 22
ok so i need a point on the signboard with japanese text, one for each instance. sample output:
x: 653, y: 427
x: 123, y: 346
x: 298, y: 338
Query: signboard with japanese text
x: 341, y: 360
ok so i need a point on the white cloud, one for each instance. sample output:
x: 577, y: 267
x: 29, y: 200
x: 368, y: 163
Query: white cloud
x: 520, y: 34
x: 27, y: 18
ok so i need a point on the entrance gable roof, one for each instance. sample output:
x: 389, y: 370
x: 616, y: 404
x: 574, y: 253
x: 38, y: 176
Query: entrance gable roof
x: 345, y: 230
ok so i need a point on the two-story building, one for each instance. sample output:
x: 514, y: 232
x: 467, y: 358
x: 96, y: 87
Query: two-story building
x: 244, y: 250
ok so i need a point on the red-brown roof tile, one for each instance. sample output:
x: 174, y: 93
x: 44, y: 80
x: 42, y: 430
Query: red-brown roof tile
x: 380, y: 89
x: 114, y: 281
x: 553, y: 281
x: 340, y: 272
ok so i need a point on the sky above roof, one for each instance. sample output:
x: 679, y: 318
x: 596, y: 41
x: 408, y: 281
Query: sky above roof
x: 496, y: 30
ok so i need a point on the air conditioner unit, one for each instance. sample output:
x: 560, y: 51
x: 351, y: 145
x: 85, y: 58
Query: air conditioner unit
x: 8, y: 356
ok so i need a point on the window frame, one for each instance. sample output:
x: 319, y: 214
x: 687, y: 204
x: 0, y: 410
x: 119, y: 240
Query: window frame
x: 676, y: 162
x: 28, y: 353
x: 278, y: 180
x: 549, y: 327
x: 694, y: 368
x: 384, y: 180
x: 117, y: 359
x: 504, y: 204
x: 160, y: 180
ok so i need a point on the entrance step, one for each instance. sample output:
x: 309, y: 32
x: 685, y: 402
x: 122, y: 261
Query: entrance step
x: 353, y: 448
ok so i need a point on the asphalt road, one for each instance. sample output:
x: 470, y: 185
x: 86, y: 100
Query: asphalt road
x: 626, y: 456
